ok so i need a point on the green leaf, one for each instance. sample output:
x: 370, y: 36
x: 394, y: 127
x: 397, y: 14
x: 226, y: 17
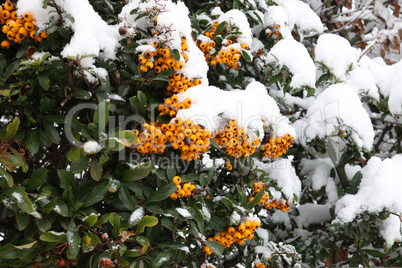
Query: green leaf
x: 242, y: 195
x: 274, y: 79
x: 136, y: 217
x: 355, y: 182
x: 227, y: 202
x: 114, y: 144
x: 114, y: 220
x: 142, y: 240
x: 22, y: 220
x: 66, y: 179
x: 215, y: 247
x: 37, y: 179
x: 220, y: 27
x: 128, y: 137
x: 162, y: 258
x: 142, y: 98
x: 82, y: 94
x: 10, y: 69
x: 80, y: 165
x: 7, y: 176
x: 376, y: 253
x: 139, y: 172
x: 256, y: 200
x: 245, y: 55
x: 62, y: 208
x: 91, y: 220
x: 74, y: 154
x: 125, y: 198
x: 44, y: 80
x: 74, y: 240
x: 12, y: 252
x: 32, y: 141
x: 176, y: 54
x: 163, y: 193
x: 96, y: 195
x: 23, y: 201
x: 96, y: 170
x: 52, y: 132
x: 12, y: 128
x: 54, y: 237
x: 147, y: 221
x: 101, y: 116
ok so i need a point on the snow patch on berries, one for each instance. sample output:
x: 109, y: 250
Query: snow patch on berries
x: 212, y: 107
x: 390, y: 230
x: 276, y: 15
x: 42, y: 15
x: 293, y: 55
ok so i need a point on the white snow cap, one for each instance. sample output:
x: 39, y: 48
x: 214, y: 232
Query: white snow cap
x: 91, y: 33
x: 282, y: 171
x: 292, y: 54
x: 336, y: 53
x: 213, y: 107
x: 338, y: 101
x: 380, y: 188
x: 42, y: 15
x: 300, y: 14
x: 239, y: 19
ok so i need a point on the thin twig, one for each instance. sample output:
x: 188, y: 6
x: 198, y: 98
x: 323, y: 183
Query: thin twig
x: 57, y: 9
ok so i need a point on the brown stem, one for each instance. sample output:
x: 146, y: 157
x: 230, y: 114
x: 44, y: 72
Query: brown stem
x: 57, y: 9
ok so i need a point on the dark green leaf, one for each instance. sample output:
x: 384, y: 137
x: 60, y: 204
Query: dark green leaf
x: 163, y: 193
x: 256, y: 200
x: 80, y: 165
x: 176, y: 54
x: 54, y: 237
x: 245, y: 55
x: 82, y: 95
x: 7, y: 176
x: 66, y: 179
x: 96, y: 195
x: 220, y: 27
x: 96, y: 170
x: 114, y: 220
x: 376, y: 253
x: 74, y: 240
x: 162, y: 258
x: 101, y: 116
x: 126, y: 198
x: 37, y: 179
x: 355, y: 182
x: 32, y: 141
x: 139, y: 172
x: 44, y: 80
x: 216, y: 247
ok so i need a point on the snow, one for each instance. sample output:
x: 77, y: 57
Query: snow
x: 18, y: 197
x: 301, y: 15
x: 206, y: 213
x: 276, y: 15
x: 336, y: 53
x: 56, y: 233
x: 41, y: 15
x: 313, y: 214
x: 161, y: 261
x: 239, y: 19
x: 379, y: 189
x: 184, y: 212
x: 293, y: 55
x: 213, y: 107
x: 337, y: 102
x: 388, y: 78
x: 136, y: 216
x: 317, y: 172
x: 282, y: 171
x: 91, y: 34
x: 91, y: 147
x: 391, y: 230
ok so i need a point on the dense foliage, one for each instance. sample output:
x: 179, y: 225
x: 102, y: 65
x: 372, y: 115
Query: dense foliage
x: 105, y: 160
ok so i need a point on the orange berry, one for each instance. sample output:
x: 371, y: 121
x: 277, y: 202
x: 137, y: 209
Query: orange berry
x: 176, y: 180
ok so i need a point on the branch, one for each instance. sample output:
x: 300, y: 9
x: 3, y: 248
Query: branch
x: 57, y: 9
x: 381, y: 138
x: 340, y: 169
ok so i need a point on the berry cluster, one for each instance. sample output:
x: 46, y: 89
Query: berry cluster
x: 277, y: 35
x: 259, y: 52
x: 172, y: 105
x: 275, y: 147
x: 17, y: 28
x: 228, y: 55
x: 162, y: 59
x: 235, y: 141
x: 190, y: 139
x: 259, y: 186
x: 207, y: 265
x: 105, y: 263
x: 181, y: 192
x: 259, y: 265
x: 235, y: 235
